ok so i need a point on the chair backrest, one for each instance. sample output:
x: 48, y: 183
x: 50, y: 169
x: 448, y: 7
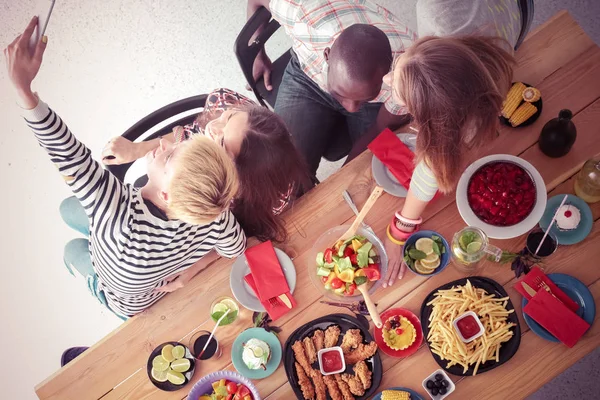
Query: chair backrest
x: 159, y: 116
x: 527, y: 11
x: 247, y: 49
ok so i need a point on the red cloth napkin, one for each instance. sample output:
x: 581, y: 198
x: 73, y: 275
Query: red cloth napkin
x: 396, y: 156
x: 556, y: 318
x: 531, y: 277
x: 267, y: 278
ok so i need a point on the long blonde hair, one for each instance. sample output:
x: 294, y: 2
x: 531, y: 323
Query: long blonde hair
x: 204, y: 183
x: 454, y: 88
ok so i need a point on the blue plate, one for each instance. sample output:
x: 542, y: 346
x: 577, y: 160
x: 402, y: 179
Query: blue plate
x: 577, y: 291
x: 413, y: 395
x: 576, y: 235
x: 237, y: 349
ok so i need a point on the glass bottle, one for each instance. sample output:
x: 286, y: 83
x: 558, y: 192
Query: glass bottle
x: 587, y: 182
x: 558, y: 135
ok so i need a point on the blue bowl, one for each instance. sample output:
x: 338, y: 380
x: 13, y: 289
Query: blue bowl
x: 444, y: 258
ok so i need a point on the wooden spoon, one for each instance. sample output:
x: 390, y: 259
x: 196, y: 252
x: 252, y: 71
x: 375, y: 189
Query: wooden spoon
x: 370, y: 305
x: 361, y: 216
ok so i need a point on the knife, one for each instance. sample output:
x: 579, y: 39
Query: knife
x: 285, y: 300
x: 528, y: 289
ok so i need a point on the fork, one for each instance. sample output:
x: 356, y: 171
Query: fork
x: 273, y: 302
x: 539, y: 282
x: 348, y: 199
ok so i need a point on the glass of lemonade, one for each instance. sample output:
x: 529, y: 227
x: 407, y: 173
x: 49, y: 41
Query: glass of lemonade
x: 220, y: 307
x: 470, y: 246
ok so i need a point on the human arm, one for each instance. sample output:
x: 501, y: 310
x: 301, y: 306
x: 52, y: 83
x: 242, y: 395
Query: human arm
x: 119, y: 150
x: 232, y: 240
x: 180, y: 279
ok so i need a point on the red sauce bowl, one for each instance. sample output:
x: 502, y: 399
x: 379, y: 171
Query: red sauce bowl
x: 331, y: 360
x: 468, y: 326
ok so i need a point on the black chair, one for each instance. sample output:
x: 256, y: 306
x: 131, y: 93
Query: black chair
x: 246, y: 53
x: 527, y: 10
x: 185, y: 106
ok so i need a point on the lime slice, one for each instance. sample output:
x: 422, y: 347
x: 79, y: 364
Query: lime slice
x: 181, y: 365
x: 230, y: 304
x: 431, y: 258
x: 219, y: 308
x: 473, y: 247
x: 160, y: 376
x: 176, y: 378
x: 258, y: 352
x: 178, y: 352
x: 419, y: 268
x: 160, y: 364
x: 425, y: 245
x: 167, y: 353
x: 430, y: 264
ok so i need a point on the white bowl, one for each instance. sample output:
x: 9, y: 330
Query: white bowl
x: 337, y: 349
x: 501, y: 232
x: 459, y: 333
x: 451, y: 387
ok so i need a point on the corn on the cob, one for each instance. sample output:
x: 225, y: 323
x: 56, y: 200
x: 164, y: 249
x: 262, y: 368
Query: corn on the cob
x: 522, y: 114
x: 531, y: 94
x: 395, y: 395
x: 513, y: 99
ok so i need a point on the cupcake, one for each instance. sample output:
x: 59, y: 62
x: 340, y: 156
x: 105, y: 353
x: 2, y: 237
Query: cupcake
x: 399, y: 333
x: 568, y: 217
x: 256, y: 354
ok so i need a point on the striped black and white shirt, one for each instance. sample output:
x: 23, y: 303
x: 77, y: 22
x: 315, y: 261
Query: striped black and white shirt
x: 132, y: 250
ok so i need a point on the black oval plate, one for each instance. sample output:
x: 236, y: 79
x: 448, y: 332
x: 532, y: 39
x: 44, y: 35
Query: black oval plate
x: 345, y: 322
x: 507, y: 350
x: 538, y: 104
x: 168, y: 386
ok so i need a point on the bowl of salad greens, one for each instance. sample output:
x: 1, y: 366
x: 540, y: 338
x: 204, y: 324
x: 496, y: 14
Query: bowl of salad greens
x: 426, y: 253
x: 336, y: 269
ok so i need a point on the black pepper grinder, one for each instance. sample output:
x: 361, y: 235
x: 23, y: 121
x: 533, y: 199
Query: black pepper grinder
x: 558, y: 135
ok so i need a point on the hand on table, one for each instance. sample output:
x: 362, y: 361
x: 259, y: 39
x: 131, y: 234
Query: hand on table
x: 262, y: 67
x: 23, y: 66
x: 396, y: 264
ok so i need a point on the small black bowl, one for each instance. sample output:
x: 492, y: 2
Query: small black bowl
x: 538, y: 104
x: 168, y: 386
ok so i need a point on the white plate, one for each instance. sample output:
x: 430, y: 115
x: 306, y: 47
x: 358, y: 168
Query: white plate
x: 501, y: 232
x: 382, y: 174
x: 243, y: 293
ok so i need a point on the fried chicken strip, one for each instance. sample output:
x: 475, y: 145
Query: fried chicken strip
x: 352, y: 338
x: 362, y: 352
x: 320, y: 388
x: 319, y: 339
x: 308, y: 390
x: 344, y: 388
x: 332, y: 335
x: 332, y: 387
x: 300, y: 356
x: 356, y: 386
x: 309, y: 349
x: 363, y: 373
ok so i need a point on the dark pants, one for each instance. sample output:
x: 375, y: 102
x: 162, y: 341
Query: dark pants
x: 314, y: 116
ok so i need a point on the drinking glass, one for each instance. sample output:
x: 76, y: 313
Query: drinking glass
x: 197, y: 342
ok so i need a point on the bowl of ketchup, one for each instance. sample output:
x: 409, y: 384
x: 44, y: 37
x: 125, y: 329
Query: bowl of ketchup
x: 468, y: 326
x: 331, y: 360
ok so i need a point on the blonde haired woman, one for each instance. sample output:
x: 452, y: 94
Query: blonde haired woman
x: 454, y: 88
x: 139, y: 240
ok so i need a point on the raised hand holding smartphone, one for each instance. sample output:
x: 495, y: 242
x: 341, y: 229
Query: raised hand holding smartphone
x: 43, y: 10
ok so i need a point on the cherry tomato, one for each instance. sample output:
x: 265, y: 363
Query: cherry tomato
x: 328, y: 256
x: 324, y: 279
x: 372, y: 273
x: 350, y: 290
x: 354, y: 259
x: 232, y: 388
x: 337, y: 283
x: 348, y: 251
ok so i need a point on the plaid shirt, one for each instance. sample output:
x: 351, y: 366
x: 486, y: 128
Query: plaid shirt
x: 314, y: 25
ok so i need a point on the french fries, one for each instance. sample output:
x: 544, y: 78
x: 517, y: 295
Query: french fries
x: 444, y: 341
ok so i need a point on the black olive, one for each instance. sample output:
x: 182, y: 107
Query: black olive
x: 438, y: 384
x: 445, y: 383
x: 434, y: 391
x: 439, y: 377
x: 443, y: 390
x: 429, y: 384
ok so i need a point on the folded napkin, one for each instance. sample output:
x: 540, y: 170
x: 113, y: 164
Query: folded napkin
x: 556, y: 318
x: 396, y: 156
x: 530, y: 279
x: 267, y: 278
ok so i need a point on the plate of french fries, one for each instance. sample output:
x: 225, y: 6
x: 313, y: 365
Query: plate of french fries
x: 488, y: 299
x: 522, y: 106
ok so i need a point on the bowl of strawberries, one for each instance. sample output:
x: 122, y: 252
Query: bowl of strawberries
x: 501, y: 194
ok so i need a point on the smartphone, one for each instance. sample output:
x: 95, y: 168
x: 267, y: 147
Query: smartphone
x: 43, y: 9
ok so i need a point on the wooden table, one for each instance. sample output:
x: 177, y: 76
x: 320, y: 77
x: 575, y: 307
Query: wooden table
x: 559, y: 59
